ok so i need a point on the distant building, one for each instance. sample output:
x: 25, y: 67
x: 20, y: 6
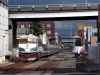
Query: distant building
x: 68, y: 42
x: 22, y: 28
x: 80, y: 26
x: 91, y: 32
x: 49, y: 28
x: 93, y: 40
x: 23, y: 24
x: 84, y: 36
x: 79, y: 32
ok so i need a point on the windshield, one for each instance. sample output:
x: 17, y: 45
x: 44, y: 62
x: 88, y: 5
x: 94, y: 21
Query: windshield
x: 21, y: 49
x: 22, y: 41
x: 31, y: 40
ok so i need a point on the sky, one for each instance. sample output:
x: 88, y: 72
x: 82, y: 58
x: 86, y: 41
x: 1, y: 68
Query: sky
x: 62, y: 27
x: 69, y: 27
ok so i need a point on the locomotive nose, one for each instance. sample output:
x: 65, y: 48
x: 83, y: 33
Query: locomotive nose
x: 27, y: 56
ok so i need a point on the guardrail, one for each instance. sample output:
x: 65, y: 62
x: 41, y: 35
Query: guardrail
x: 54, y: 5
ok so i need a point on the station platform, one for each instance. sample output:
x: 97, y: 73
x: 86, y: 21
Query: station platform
x: 5, y: 63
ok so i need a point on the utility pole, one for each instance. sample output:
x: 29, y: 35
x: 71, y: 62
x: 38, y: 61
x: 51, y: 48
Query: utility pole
x: 71, y: 30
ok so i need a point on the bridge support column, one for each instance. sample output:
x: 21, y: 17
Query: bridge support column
x: 14, y: 34
x: 10, y: 51
x: 98, y: 33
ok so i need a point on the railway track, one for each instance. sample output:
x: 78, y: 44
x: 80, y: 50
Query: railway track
x: 49, y: 67
x: 49, y: 64
x: 16, y: 65
x: 45, y: 69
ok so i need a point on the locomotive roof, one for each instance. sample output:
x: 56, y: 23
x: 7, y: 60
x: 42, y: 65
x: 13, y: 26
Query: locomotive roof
x: 27, y: 36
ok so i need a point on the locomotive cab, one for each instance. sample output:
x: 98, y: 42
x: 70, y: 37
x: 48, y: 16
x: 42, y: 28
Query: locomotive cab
x: 27, y: 47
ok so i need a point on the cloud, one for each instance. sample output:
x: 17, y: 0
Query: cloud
x: 67, y: 25
x: 62, y: 25
x: 59, y: 25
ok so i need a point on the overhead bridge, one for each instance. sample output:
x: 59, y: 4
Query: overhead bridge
x: 51, y: 11
x: 53, y: 15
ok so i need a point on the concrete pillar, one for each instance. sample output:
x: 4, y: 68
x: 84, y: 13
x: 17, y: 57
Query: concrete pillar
x: 98, y: 32
x: 14, y: 33
x: 14, y: 38
x: 10, y: 35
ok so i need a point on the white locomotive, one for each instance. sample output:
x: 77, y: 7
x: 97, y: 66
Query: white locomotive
x: 32, y: 47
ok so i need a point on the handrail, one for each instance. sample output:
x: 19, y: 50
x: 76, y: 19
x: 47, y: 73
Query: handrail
x: 54, y: 5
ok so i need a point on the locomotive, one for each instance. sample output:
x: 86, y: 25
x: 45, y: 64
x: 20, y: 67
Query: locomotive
x: 32, y: 47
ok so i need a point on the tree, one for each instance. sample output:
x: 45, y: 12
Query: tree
x: 59, y: 39
x: 36, y: 28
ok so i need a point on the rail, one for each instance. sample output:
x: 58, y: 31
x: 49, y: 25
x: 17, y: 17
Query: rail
x: 54, y: 5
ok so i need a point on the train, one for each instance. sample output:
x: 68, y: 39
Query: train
x: 33, y: 48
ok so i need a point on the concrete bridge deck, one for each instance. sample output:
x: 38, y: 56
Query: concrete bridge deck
x: 53, y: 7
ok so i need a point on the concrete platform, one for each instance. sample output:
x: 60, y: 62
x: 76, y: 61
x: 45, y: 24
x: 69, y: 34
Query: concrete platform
x: 5, y: 63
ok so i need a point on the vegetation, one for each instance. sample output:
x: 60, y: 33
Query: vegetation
x: 36, y: 28
x: 59, y: 38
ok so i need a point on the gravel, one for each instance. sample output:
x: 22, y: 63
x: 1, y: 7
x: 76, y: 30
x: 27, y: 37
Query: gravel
x: 6, y: 63
x: 35, y: 64
x: 67, y: 64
